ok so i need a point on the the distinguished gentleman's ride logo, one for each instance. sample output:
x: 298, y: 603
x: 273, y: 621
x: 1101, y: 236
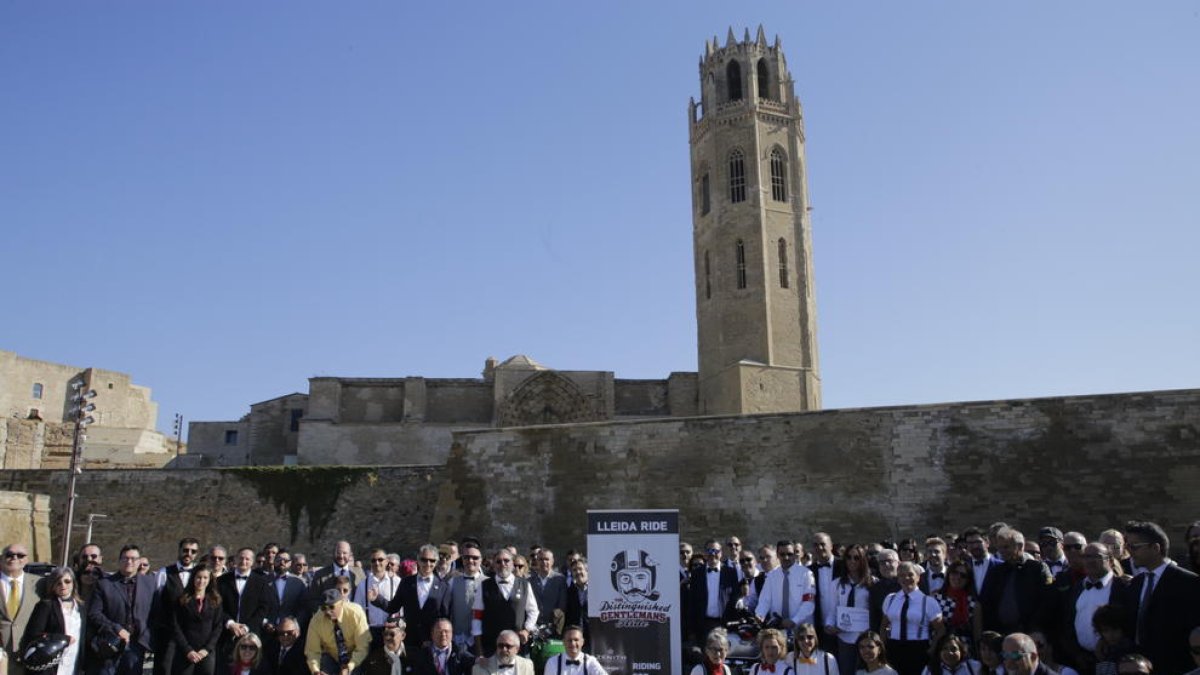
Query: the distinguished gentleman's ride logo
x: 635, y: 577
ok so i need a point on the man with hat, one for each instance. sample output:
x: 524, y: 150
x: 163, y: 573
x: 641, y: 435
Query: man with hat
x: 338, y: 636
x: 1050, y: 543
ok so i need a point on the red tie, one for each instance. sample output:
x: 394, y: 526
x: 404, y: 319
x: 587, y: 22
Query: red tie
x: 769, y: 667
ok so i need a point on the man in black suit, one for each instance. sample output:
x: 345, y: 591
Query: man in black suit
x: 826, y: 571
x: 172, y: 581
x: 889, y: 563
x: 326, y: 577
x: 1071, y: 624
x: 122, y: 605
x: 388, y: 656
x: 441, y: 656
x: 423, y: 598
x: 713, y: 592
x: 285, y: 655
x: 1165, y: 600
x: 289, y: 591
x: 247, y: 598
x: 1021, y: 656
x: 1016, y: 590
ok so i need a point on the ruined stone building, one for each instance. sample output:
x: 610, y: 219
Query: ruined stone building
x: 37, y: 430
x: 755, y: 311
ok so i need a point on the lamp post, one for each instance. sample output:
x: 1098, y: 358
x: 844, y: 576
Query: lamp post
x: 80, y: 409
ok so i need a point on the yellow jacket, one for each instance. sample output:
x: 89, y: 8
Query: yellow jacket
x: 320, y: 640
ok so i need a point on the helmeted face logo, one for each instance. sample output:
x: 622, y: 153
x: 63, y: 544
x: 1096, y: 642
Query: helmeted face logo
x: 635, y: 575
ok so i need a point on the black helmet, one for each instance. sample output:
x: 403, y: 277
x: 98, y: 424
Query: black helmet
x: 45, y: 652
x: 107, y: 644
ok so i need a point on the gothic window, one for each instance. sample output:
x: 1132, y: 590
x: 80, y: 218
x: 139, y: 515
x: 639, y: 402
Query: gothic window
x: 741, y: 264
x: 733, y: 78
x: 783, y: 264
x: 705, y: 197
x: 37, y: 389
x: 707, y: 277
x: 764, y: 80
x: 778, y: 175
x: 737, y: 177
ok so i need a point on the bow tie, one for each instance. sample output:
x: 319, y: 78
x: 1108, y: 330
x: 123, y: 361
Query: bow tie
x: 242, y: 577
x: 714, y: 570
x: 820, y: 565
x: 769, y: 667
x: 505, y: 666
x: 810, y: 662
x: 937, y: 575
x: 1088, y: 585
x: 572, y: 662
x: 979, y: 562
x: 504, y: 582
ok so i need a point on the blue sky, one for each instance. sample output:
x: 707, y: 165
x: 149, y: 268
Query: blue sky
x: 226, y: 198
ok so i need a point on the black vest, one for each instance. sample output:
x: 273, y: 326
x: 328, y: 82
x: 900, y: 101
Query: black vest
x: 500, y: 614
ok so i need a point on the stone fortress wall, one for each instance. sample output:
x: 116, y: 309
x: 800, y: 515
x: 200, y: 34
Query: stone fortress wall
x: 1081, y: 462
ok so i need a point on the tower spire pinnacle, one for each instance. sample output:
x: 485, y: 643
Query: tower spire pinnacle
x: 761, y: 38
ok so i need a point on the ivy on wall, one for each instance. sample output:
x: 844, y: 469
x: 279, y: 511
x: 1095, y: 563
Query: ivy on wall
x: 313, y: 491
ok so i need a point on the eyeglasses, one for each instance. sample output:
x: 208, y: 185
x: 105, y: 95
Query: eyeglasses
x: 429, y: 561
x: 16, y: 554
x: 470, y: 557
x: 712, y: 551
x: 378, y: 559
x: 520, y: 567
x: 390, y: 633
x: 1014, y: 656
x: 503, y: 561
x: 193, y: 551
x: 733, y: 544
x: 1073, y: 547
x: 124, y: 558
x: 91, y: 556
x: 747, y: 561
x: 505, y: 645
x: 217, y: 557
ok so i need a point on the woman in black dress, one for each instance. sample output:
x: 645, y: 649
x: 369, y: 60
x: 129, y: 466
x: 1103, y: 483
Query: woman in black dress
x: 196, y: 625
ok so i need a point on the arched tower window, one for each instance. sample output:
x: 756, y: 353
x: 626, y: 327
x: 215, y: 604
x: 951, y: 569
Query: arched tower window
x: 741, y: 264
x: 705, y: 195
x: 778, y: 175
x: 737, y: 177
x: 733, y: 79
x: 707, y: 277
x: 764, y: 79
x: 783, y: 264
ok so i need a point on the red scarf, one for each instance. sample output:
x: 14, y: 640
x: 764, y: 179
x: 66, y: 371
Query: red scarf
x: 961, y: 606
x: 716, y: 669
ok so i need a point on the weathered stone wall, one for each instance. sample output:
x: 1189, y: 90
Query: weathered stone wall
x: 458, y: 402
x: 207, y: 446
x: 306, y: 509
x: 25, y: 519
x: 1084, y: 463
x: 641, y: 398
x: 369, y: 444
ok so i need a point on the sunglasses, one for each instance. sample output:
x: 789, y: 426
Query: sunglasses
x: 712, y: 551
x: 378, y: 559
x: 470, y: 557
x: 193, y: 551
x: 1073, y: 547
x: 14, y: 554
x: 747, y: 561
x: 1014, y: 656
x: 429, y: 561
x: 520, y: 567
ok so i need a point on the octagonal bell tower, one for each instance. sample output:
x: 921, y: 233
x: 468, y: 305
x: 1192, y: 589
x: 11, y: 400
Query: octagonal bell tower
x: 755, y: 302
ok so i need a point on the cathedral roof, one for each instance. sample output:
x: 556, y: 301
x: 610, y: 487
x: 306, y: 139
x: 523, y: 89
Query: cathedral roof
x: 521, y: 362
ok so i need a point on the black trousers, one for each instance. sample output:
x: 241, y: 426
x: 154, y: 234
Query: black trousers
x: 908, y: 657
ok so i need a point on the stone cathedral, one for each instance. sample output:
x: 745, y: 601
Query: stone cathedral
x: 755, y: 311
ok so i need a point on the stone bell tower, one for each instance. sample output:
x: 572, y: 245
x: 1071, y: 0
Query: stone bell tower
x: 755, y: 302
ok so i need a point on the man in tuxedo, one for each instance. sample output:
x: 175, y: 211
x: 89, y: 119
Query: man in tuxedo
x: 981, y: 560
x: 325, y: 578
x: 577, y: 597
x: 463, y: 588
x: 505, y: 660
x: 284, y: 654
x: 1072, y: 626
x: 16, y: 604
x: 713, y: 590
x: 122, y: 605
x: 247, y: 599
x: 1165, y: 600
x: 549, y: 586
x: 388, y: 657
x: 504, y: 604
x: 289, y: 592
x: 386, y: 586
x: 423, y: 598
x: 172, y: 581
x: 442, y: 656
x: 825, y: 571
x: 731, y: 554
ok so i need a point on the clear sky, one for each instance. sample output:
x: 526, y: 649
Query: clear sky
x: 226, y: 198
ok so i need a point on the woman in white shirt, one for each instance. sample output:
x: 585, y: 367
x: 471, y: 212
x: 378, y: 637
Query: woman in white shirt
x: 873, y: 655
x: 853, y: 593
x: 62, y: 613
x: 808, y: 659
x: 716, y: 648
x: 909, y: 618
x: 950, y: 658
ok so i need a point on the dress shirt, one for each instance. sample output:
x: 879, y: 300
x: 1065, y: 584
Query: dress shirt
x: 321, y: 640
x: 423, y: 586
x: 822, y: 662
x: 506, y: 588
x: 862, y: 600
x: 827, y: 584
x: 1086, y: 604
x: 7, y: 583
x: 185, y: 575
x: 979, y: 569
x: 922, y: 611
x: 800, y: 595
x: 964, y: 667
x: 935, y: 584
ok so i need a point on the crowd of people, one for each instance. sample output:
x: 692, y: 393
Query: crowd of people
x: 980, y: 602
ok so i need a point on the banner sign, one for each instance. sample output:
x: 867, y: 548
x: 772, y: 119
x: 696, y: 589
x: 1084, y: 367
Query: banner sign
x: 633, y: 591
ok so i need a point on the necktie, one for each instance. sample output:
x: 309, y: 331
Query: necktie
x: 787, y: 594
x: 14, y: 598
x: 904, y: 618
x: 850, y: 600
x: 1141, y: 613
x: 340, y: 639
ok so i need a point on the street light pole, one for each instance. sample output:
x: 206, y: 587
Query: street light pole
x: 80, y: 407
